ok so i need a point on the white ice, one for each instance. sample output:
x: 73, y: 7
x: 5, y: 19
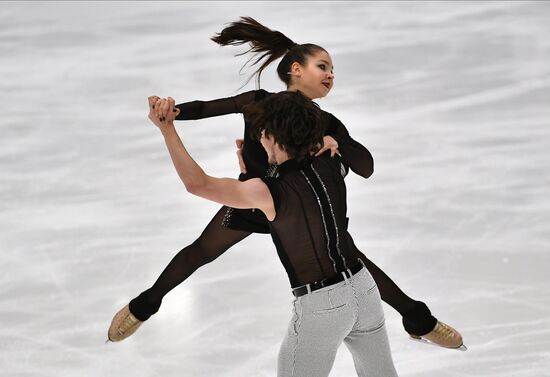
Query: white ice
x: 452, y: 99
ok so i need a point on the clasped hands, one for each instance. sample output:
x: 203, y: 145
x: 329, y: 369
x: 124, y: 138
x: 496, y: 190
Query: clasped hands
x: 162, y: 111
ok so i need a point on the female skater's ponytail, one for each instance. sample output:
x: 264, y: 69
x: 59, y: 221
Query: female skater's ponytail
x: 273, y: 44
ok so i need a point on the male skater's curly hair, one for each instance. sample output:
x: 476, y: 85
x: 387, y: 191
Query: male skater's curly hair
x: 294, y: 122
x: 273, y: 44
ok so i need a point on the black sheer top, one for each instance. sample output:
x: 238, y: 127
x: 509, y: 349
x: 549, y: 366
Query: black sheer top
x: 310, y: 229
x: 310, y: 226
x: 355, y: 155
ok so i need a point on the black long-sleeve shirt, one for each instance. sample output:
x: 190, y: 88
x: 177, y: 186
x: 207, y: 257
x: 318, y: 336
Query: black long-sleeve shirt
x: 355, y: 155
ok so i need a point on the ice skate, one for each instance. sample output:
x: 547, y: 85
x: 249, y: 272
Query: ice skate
x: 123, y: 325
x: 442, y: 335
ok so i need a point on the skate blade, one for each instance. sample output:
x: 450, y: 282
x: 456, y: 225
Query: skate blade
x: 462, y: 347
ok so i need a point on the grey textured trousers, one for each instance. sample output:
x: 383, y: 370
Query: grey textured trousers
x: 349, y: 312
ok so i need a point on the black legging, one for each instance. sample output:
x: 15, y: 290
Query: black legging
x: 216, y: 239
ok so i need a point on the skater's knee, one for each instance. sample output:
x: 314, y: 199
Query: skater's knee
x: 208, y: 249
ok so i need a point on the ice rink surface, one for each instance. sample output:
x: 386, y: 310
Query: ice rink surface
x: 452, y: 99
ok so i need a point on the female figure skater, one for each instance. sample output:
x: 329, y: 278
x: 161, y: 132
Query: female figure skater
x: 306, y: 68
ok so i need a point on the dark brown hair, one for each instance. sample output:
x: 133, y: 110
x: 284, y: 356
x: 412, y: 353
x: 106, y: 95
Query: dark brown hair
x: 291, y: 119
x: 271, y: 44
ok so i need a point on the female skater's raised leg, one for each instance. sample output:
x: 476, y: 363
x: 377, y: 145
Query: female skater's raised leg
x: 213, y: 242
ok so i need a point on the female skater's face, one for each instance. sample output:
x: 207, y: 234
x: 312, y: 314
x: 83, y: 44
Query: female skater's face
x: 316, y: 78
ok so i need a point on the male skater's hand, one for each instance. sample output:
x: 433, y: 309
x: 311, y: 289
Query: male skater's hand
x: 240, y: 143
x: 154, y: 103
x: 328, y: 143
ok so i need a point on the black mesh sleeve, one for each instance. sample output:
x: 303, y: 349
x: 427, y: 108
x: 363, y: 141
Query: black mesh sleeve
x: 354, y: 154
x: 221, y: 106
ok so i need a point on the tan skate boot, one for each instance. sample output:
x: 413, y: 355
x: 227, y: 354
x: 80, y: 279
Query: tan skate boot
x: 442, y: 335
x: 123, y: 325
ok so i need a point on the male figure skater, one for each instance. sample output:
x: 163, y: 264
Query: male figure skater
x: 336, y: 299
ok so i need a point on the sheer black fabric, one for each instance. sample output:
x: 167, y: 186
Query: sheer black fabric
x: 309, y: 229
x: 229, y: 226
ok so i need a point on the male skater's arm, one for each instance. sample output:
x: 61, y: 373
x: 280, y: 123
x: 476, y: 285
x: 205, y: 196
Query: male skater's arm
x: 252, y: 193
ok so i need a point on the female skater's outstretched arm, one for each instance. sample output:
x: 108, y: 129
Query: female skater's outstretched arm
x: 337, y: 137
x: 221, y: 106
